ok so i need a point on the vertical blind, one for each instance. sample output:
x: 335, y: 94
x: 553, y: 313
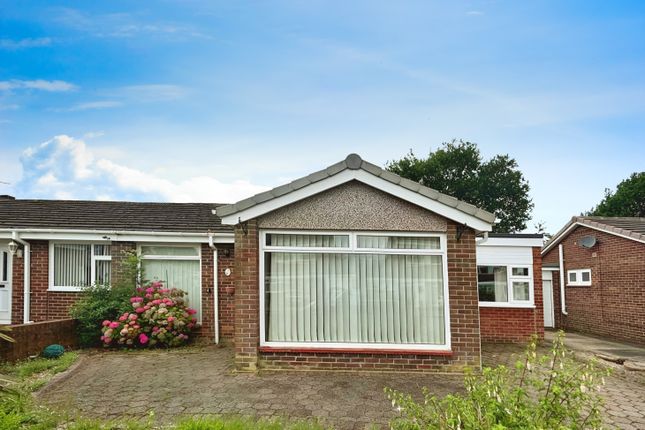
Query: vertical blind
x: 72, y: 265
x: 345, y: 297
x: 176, y: 267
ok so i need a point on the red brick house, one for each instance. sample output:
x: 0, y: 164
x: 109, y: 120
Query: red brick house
x: 349, y: 267
x: 596, y: 267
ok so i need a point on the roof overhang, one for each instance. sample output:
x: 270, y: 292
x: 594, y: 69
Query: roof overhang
x: 117, y: 235
x: 511, y: 241
x: 347, y: 175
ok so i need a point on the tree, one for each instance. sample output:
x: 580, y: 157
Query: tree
x: 458, y: 169
x: 628, y: 200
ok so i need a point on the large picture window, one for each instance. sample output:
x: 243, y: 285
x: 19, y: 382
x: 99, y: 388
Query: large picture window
x: 505, y: 285
x: 77, y: 265
x: 345, y: 290
x: 177, y: 267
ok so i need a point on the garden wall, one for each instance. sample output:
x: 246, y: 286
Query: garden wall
x: 32, y: 338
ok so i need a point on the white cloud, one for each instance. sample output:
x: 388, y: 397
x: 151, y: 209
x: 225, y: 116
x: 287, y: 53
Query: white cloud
x: 64, y: 167
x: 474, y: 13
x: 101, y: 104
x: 150, y: 92
x: 29, y: 42
x: 38, y: 84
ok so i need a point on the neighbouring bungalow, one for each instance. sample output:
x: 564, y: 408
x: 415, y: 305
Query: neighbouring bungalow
x: 594, y: 275
x: 351, y: 267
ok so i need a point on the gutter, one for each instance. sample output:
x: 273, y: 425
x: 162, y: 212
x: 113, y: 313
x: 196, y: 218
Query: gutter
x: 563, y: 304
x: 26, y: 271
x: 115, y: 232
x: 211, y: 244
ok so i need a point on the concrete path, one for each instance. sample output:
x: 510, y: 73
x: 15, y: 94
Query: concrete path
x: 631, y: 356
x: 200, y: 381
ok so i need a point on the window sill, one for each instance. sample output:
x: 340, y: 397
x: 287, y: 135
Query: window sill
x: 355, y: 351
x: 506, y: 305
x: 65, y: 289
x: 578, y: 285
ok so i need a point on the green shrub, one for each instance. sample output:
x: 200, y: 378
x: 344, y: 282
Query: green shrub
x: 552, y: 391
x: 97, y: 303
x: 101, y: 302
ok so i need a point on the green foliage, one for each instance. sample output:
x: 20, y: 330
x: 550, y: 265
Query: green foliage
x: 4, y: 329
x: 28, y: 368
x: 458, y: 169
x: 101, y: 302
x: 627, y: 201
x: 238, y: 423
x: 552, y: 391
x: 17, y: 408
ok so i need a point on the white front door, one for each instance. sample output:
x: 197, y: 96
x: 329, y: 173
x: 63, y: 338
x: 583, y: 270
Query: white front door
x: 5, y: 285
x: 547, y: 295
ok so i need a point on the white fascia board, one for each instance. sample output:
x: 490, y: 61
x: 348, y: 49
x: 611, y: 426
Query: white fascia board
x: 368, y: 179
x: 509, y: 241
x: 117, y: 236
x: 564, y: 234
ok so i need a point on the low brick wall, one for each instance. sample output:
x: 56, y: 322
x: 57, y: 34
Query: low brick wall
x: 31, y: 339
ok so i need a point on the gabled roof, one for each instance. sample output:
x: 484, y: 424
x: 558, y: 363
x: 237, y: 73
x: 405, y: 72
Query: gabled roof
x: 355, y: 168
x: 109, y: 216
x: 628, y: 227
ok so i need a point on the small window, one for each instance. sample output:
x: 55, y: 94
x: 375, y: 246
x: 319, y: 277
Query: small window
x: 579, y: 277
x: 77, y: 265
x: 492, y: 282
x: 308, y: 240
x: 520, y: 271
x: 520, y: 291
x: 397, y: 242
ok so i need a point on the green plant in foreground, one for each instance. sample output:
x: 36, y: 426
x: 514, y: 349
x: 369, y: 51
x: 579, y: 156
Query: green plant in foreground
x: 552, y: 391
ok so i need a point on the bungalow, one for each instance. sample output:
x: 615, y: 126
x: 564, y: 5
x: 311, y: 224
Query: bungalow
x: 351, y: 267
x: 594, y: 275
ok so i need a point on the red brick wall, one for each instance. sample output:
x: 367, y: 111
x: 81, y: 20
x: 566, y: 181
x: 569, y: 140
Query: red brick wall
x: 516, y: 324
x: 614, y: 304
x: 226, y: 292
x: 31, y: 339
x: 464, y: 318
x: 247, y: 305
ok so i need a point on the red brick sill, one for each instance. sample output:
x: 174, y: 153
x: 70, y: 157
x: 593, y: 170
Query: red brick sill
x: 357, y: 351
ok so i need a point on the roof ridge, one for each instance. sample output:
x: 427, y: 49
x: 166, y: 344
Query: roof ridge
x: 354, y: 162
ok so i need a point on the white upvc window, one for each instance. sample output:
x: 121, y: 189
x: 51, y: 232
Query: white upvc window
x: 505, y: 285
x: 579, y: 277
x: 354, y: 290
x: 177, y: 266
x: 74, y: 265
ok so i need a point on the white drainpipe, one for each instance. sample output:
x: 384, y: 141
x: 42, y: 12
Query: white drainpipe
x: 215, y: 291
x: 26, y: 283
x: 563, y: 304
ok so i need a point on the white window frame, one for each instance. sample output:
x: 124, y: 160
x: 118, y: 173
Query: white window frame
x: 510, y: 278
x: 197, y: 257
x: 579, y: 282
x: 94, y: 259
x: 353, y: 249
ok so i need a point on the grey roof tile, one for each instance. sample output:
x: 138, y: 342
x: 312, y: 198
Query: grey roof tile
x: 110, y: 216
x: 632, y: 227
x: 353, y: 160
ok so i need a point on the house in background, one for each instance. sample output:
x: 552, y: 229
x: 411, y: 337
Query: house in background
x: 62, y: 245
x: 351, y: 267
x: 596, y: 270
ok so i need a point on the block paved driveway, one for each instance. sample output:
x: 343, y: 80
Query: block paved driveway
x: 200, y: 380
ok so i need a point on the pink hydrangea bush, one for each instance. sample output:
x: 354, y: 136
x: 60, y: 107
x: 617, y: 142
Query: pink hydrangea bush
x: 159, y: 317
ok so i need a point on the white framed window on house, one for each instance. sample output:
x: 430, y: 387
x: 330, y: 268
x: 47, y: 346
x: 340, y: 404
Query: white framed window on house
x: 353, y: 290
x: 74, y: 265
x: 505, y: 285
x: 177, y: 266
x: 579, y: 278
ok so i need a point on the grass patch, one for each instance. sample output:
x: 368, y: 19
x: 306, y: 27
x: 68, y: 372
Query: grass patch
x: 29, y: 368
x: 241, y: 423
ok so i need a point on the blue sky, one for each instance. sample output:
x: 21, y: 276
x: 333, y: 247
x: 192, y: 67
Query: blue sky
x: 214, y: 101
